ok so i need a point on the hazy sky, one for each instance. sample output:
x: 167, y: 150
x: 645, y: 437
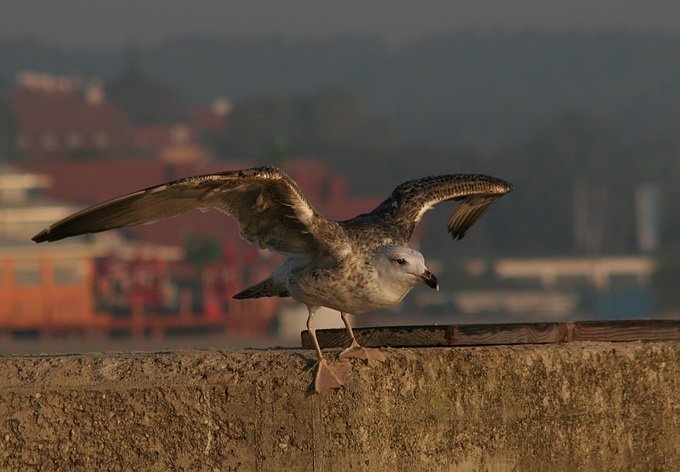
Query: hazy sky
x: 106, y: 23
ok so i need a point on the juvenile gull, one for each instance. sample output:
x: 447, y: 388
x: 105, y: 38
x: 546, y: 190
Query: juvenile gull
x: 352, y: 266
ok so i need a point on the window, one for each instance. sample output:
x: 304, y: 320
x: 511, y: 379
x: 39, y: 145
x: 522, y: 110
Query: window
x: 100, y: 139
x: 69, y: 272
x: 27, y: 273
x: 48, y: 141
x: 74, y: 140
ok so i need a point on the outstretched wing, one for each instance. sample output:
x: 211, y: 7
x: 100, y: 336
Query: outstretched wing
x: 269, y: 207
x: 408, y: 203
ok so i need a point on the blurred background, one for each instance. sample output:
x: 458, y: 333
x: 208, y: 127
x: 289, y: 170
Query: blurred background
x: 577, y: 103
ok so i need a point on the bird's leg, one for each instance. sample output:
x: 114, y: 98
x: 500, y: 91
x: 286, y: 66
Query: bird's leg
x: 372, y: 356
x: 327, y: 376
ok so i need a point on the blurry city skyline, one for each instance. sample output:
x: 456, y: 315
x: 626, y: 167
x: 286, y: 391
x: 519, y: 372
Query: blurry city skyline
x: 99, y: 24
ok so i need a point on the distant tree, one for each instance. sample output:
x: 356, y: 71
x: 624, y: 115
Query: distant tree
x: 333, y: 116
x: 200, y: 251
x: 340, y: 123
x: 578, y: 150
x: 378, y: 133
x: 277, y: 151
x: 256, y: 125
x: 331, y: 121
x: 664, y: 167
x: 666, y: 280
x: 8, y: 127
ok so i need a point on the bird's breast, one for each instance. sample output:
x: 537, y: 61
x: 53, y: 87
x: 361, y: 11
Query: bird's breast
x: 350, y: 291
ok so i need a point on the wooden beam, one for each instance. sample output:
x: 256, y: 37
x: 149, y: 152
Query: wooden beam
x: 501, y: 333
x: 627, y: 330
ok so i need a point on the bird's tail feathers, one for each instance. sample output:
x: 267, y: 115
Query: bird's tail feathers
x: 265, y: 288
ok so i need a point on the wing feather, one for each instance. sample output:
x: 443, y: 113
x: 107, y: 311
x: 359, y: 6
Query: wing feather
x: 409, y: 202
x: 268, y: 206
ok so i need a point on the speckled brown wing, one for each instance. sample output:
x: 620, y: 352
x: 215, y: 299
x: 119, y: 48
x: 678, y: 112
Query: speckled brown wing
x: 407, y: 204
x: 269, y: 207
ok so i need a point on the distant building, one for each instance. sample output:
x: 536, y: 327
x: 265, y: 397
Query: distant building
x: 145, y: 101
x: 68, y: 118
x: 58, y: 117
x: 45, y: 287
x: 108, y: 284
x: 563, y: 287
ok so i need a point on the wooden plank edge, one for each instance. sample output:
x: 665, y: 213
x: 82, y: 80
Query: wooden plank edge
x: 500, y: 334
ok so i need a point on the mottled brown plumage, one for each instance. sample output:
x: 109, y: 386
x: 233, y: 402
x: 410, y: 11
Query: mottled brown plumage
x: 352, y: 266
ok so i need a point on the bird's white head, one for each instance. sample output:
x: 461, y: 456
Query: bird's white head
x: 401, y: 268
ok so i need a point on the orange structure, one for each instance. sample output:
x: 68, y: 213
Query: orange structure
x: 89, y: 290
x: 110, y: 285
x: 46, y: 289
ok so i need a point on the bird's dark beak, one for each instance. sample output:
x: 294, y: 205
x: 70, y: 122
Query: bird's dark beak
x: 430, y: 280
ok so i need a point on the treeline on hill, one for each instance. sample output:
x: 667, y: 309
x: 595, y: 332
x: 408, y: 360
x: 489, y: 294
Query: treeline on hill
x: 464, y: 87
x: 576, y: 152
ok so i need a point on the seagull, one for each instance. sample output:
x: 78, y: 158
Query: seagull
x: 352, y: 266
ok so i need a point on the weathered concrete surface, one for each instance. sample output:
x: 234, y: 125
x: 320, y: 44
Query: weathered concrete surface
x: 576, y: 406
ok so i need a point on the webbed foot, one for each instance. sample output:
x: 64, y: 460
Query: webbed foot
x: 331, y: 376
x: 371, y: 356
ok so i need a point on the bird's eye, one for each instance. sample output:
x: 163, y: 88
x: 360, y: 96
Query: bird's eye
x: 400, y: 261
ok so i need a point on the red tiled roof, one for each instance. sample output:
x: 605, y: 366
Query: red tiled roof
x: 328, y: 192
x: 62, y: 113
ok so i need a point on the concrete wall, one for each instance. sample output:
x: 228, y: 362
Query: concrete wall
x: 575, y: 406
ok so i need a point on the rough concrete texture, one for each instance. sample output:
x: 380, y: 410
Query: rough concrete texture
x: 576, y: 406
